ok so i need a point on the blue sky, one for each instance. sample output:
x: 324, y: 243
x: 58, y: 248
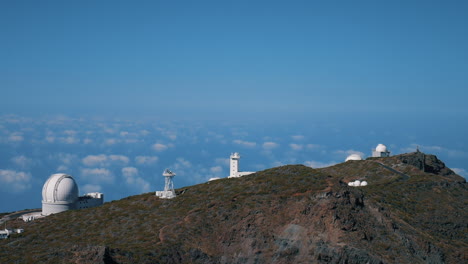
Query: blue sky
x: 343, y: 75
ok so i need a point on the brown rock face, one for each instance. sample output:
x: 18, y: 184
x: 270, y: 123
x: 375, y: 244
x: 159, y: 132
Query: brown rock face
x: 426, y: 163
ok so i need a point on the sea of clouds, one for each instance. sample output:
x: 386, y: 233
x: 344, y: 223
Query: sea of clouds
x: 122, y: 157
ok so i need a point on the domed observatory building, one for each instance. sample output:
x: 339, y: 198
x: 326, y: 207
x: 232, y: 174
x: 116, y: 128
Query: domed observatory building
x: 380, y: 151
x: 60, y: 193
x: 353, y: 157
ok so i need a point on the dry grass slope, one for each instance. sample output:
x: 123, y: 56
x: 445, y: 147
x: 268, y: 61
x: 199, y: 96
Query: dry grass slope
x: 286, y: 214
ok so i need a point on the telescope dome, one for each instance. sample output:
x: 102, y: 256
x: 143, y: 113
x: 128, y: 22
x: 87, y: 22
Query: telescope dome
x: 353, y: 157
x: 381, y: 148
x: 60, y: 188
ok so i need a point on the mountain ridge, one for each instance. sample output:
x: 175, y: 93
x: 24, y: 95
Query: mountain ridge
x: 287, y: 214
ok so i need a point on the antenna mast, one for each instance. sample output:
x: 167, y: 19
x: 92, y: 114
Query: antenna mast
x: 169, y: 191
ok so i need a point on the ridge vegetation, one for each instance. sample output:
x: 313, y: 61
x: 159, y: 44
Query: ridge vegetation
x: 413, y: 210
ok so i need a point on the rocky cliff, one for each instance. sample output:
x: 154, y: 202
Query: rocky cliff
x: 414, y: 210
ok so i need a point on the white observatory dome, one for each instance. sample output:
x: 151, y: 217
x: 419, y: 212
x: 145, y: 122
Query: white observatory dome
x: 60, y: 188
x: 60, y: 192
x: 381, y: 148
x: 214, y: 179
x: 354, y: 157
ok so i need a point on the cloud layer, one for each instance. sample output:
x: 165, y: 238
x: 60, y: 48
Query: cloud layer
x: 15, y: 181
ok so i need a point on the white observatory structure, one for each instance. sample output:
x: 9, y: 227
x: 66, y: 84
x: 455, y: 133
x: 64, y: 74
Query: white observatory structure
x: 169, y: 191
x: 380, y: 151
x: 353, y: 157
x: 234, y: 167
x: 60, y: 193
x: 357, y: 183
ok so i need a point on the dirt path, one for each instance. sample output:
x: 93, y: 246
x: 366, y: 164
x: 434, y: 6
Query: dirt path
x: 405, y: 176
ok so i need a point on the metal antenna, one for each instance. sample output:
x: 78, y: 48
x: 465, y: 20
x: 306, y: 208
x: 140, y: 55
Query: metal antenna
x: 169, y: 191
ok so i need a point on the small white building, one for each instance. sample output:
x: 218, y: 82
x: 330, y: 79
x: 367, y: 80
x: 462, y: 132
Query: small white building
x: 357, y: 183
x: 380, y: 151
x: 234, y: 167
x: 4, y: 234
x: 90, y: 200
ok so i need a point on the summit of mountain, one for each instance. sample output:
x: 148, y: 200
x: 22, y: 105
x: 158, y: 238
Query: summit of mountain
x: 414, y: 210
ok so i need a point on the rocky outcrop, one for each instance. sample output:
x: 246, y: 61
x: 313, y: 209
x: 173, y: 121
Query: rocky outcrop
x: 90, y: 255
x: 427, y: 163
x: 333, y: 227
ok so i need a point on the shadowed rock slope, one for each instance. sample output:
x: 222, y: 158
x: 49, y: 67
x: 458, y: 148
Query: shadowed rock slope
x: 288, y: 214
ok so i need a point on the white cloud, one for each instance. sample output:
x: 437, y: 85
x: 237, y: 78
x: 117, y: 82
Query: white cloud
x: 270, y: 145
x: 312, y: 146
x: 349, y: 152
x: 260, y: 167
x: 216, y: 169
x: 461, y: 172
x: 50, y: 139
x: 297, y: 137
x: 129, y: 172
x: 277, y: 164
x: 110, y: 141
x: 171, y: 135
x: 97, y: 175
x: 87, y: 141
x: 294, y: 146
x: 183, y: 163
x: 109, y: 131
x: 15, y: 181
x: 146, y: 160
x: 318, y: 164
x: 16, y: 137
x: 119, y: 159
x: 64, y: 161
x: 91, y: 188
x: 203, y: 174
x: 144, y: 132
x: 131, y: 177
x: 160, y: 147
x: 93, y: 160
x: 67, y: 158
x: 22, y: 161
x: 182, y: 167
x: 70, y: 132
x: 62, y: 168
x: 247, y: 144
x: 144, y: 185
x: 69, y: 140
x: 222, y: 161
x: 437, y: 150
x: 104, y: 160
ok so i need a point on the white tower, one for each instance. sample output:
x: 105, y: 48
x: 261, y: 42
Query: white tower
x: 234, y: 165
x: 168, y: 192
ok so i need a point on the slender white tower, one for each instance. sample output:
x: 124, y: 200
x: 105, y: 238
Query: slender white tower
x: 234, y: 165
x: 168, y: 192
